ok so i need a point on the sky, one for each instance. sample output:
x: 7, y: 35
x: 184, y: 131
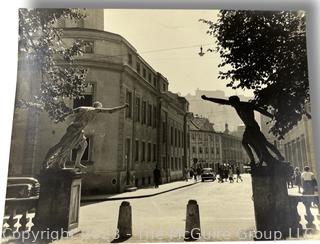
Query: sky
x: 170, y: 40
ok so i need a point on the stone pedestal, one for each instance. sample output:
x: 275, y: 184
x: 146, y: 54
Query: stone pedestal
x: 270, y: 196
x: 59, y: 202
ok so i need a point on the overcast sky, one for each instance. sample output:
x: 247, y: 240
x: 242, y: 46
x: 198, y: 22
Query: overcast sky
x: 170, y: 40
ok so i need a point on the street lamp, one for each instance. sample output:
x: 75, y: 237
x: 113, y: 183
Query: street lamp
x: 201, y: 53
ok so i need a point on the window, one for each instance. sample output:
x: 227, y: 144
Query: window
x: 137, y: 109
x: 176, y: 163
x: 129, y: 102
x: 193, y: 149
x: 87, y: 47
x: 155, y: 116
x: 207, y: 150
x: 299, y: 150
x: 164, y: 132
x: 149, y: 114
x: 86, y: 100
x: 138, y: 68
x: 193, y: 137
x: 212, y: 150
x: 200, y: 150
x: 143, y: 151
x: 86, y: 155
x: 175, y: 137
x: 179, y: 139
x: 149, y: 77
x: 303, y: 149
x: 154, y: 152
x: 128, y: 151
x: 87, y: 97
x: 171, y: 130
x: 144, y: 112
x: 149, y: 152
x: 144, y: 73
x: 164, y: 163
x: 137, y: 151
x: 164, y: 87
x: 129, y: 58
x: 172, y: 164
x: 155, y: 83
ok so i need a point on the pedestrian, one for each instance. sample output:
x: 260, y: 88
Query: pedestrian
x: 225, y: 173
x: 156, y: 177
x: 194, y: 174
x: 308, y: 181
x: 230, y: 175
x: 238, y: 174
x: 290, y: 176
x: 199, y: 172
x: 191, y: 173
x: 186, y: 174
x: 220, y: 173
x: 297, y: 178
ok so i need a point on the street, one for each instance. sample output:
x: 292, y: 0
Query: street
x: 226, y: 213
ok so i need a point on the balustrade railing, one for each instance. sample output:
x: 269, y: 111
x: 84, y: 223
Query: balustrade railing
x: 19, y: 215
x: 295, y: 219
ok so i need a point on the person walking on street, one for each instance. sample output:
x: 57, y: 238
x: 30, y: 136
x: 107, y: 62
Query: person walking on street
x: 290, y: 177
x: 156, y: 177
x: 220, y: 173
x: 230, y: 174
x: 297, y: 178
x: 186, y: 174
x: 191, y: 173
x: 195, y: 174
x: 225, y: 172
x: 199, y: 173
x: 307, y: 178
x: 238, y: 174
x: 309, y: 183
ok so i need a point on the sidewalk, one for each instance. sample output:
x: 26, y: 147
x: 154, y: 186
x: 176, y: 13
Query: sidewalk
x: 142, y: 192
x: 294, y: 191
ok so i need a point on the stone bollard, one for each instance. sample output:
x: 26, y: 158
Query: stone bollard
x: 125, y: 221
x: 192, y: 231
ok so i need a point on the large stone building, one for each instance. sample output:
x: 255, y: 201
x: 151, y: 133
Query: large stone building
x: 124, y: 147
x: 297, y: 146
x: 211, y: 149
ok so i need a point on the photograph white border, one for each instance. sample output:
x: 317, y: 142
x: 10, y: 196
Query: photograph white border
x: 9, y: 42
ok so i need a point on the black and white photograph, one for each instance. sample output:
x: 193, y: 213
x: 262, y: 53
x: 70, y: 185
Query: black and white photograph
x: 161, y: 125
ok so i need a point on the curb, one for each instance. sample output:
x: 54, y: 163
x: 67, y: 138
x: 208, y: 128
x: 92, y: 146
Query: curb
x: 135, y: 197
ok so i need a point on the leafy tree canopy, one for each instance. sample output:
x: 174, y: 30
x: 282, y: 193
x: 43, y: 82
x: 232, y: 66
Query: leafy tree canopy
x: 41, y: 44
x: 266, y: 52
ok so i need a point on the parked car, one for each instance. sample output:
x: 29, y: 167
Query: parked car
x: 207, y: 174
x: 22, y: 187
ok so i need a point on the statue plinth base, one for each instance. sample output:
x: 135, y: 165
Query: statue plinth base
x: 59, y: 202
x: 270, y: 196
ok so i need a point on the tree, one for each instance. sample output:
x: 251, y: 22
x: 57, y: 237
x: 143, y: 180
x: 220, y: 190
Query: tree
x: 266, y: 51
x: 41, y: 44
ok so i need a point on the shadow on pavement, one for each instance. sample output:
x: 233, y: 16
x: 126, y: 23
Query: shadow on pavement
x: 121, y: 239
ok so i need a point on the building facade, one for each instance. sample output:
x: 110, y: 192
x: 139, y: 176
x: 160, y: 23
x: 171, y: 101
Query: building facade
x: 124, y: 147
x: 211, y: 149
x: 297, y: 146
